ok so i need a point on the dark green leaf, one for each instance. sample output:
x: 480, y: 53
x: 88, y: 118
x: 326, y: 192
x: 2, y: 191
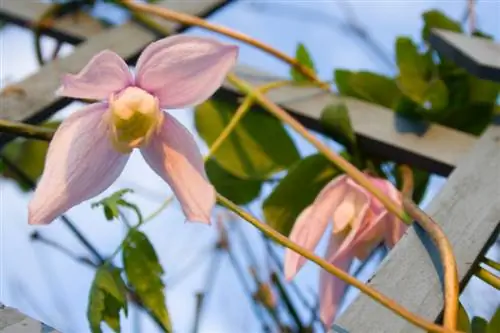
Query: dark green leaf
x: 28, y: 156
x: 144, y: 272
x: 111, y: 205
x: 436, y: 19
x: 368, y: 86
x: 494, y: 324
x: 463, y: 323
x: 258, y: 147
x: 479, y: 325
x: 108, y: 295
x: 335, y: 118
x: 240, y: 191
x: 297, y: 190
x: 482, y: 91
x: 304, y: 58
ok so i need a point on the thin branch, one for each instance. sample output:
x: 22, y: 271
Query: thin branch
x: 26, y: 130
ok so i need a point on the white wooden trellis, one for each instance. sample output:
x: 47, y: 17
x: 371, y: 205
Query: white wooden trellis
x: 468, y: 207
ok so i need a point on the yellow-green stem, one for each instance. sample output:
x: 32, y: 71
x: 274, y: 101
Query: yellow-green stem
x: 451, y: 288
x: 350, y: 169
x: 493, y: 264
x: 377, y: 296
x: 488, y: 277
x: 196, y: 21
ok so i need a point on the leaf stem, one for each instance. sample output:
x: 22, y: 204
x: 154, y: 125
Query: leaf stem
x: 488, y: 277
x: 493, y: 264
x: 26, y: 130
x: 377, y: 296
x: 196, y: 21
x: 350, y: 169
x: 451, y: 288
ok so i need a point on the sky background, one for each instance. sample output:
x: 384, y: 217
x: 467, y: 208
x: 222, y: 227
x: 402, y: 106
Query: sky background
x: 49, y: 286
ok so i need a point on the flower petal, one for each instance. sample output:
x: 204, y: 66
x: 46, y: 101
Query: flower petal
x: 331, y: 288
x: 105, y: 74
x: 172, y: 153
x: 184, y: 71
x: 80, y: 164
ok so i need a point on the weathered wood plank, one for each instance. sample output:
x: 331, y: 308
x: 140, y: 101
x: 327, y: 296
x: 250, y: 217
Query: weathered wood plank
x: 439, y: 150
x: 39, y: 101
x: 481, y: 57
x: 13, y: 321
x: 468, y: 209
x: 70, y: 28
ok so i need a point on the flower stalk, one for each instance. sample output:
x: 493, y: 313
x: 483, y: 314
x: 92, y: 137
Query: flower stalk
x: 451, y: 288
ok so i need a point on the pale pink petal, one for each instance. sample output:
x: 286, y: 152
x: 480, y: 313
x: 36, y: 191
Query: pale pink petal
x: 80, y: 164
x: 331, y: 288
x: 183, y: 70
x: 105, y: 74
x: 312, y: 223
x: 172, y: 153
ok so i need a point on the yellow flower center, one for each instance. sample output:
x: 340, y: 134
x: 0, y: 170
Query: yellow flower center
x: 134, y: 117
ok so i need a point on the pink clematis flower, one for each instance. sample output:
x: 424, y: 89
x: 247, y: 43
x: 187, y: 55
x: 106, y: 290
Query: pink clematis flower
x: 91, y: 147
x: 360, y: 223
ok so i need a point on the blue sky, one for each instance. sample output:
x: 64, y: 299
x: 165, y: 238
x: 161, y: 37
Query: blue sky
x: 47, y: 285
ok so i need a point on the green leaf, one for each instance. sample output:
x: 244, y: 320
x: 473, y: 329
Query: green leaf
x: 296, y: 191
x: 494, y: 324
x: 144, y: 272
x: 258, y: 147
x: 479, y: 325
x: 335, y: 118
x: 409, y: 60
x: 482, y: 91
x: 304, y: 58
x: 108, y: 295
x: 463, y: 323
x: 240, y: 191
x: 28, y: 156
x: 368, y: 86
x: 436, y: 19
x: 111, y: 205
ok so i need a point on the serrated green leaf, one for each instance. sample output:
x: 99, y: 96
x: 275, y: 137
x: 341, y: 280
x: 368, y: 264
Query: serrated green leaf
x: 111, y: 205
x: 335, y: 118
x: 143, y: 271
x: 437, y: 19
x: 258, y: 147
x: 296, y: 191
x: 240, y: 191
x: 305, y: 59
x: 479, y: 325
x: 463, y: 322
x: 107, y: 298
x: 494, y: 324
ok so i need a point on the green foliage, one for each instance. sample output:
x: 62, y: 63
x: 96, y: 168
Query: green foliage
x: 305, y: 59
x: 111, y: 205
x: 463, y: 323
x: 28, y: 156
x: 258, y: 146
x: 144, y: 272
x: 297, y: 190
x: 240, y: 191
x: 437, y: 19
x: 428, y: 87
x: 479, y: 325
x: 371, y: 87
x: 108, y: 296
x: 335, y: 118
x: 494, y: 325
